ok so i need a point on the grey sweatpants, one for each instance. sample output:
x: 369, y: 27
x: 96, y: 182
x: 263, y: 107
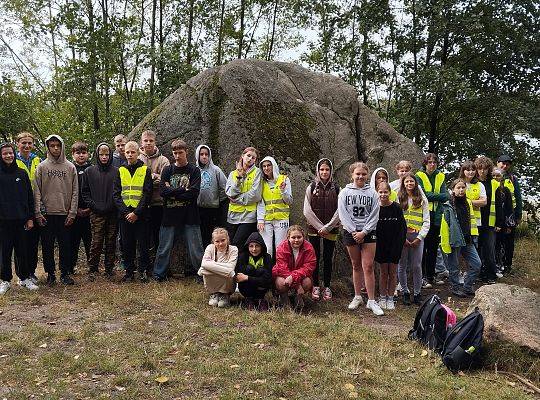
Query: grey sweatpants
x: 411, y: 258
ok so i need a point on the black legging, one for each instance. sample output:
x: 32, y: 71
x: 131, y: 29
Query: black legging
x: 327, y: 256
x: 239, y: 233
x: 431, y: 244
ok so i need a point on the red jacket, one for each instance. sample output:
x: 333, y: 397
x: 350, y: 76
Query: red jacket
x: 285, y: 265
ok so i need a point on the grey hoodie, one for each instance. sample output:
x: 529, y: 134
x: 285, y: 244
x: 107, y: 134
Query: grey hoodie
x: 285, y: 194
x: 56, y: 186
x: 358, y: 208
x: 213, y: 181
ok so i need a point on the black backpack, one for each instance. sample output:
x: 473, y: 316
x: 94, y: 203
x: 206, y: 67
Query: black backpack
x: 463, y: 342
x: 430, y: 324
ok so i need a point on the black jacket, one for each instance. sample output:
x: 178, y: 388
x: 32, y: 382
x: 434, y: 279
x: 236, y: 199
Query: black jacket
x: 261, y: 276
x: 142, y: 207
x: 97, y: 184
x: 16, y: 197
x: 80, y: 174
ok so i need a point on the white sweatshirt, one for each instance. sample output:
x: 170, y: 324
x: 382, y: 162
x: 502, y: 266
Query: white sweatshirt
x: 358, y: 208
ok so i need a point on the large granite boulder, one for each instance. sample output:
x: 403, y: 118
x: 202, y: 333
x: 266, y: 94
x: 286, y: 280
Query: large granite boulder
x: 511, y: 315
x: 284, y: 110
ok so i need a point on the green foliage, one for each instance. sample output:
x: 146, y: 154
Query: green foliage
x: 459, y: 78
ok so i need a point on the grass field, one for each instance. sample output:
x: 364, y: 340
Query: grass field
x: 161, y: 341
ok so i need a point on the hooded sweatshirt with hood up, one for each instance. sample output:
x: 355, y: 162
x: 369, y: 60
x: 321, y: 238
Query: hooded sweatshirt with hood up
x: 16, y: 197
x: 261, y: 276
x: 325, y: 215
x: 358, y: 208
x: 98, y: 181
x: 155, y: 163
x: 286, y: 194
x: 213, y: 181
x: 56, y: 186
x: 393, y: 193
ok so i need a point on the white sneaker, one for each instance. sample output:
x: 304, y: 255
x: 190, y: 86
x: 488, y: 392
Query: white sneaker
x: 214, y: 299
x: 426, y: 284
x: 373, y: 306
x: 390, y: 303
x: 223, y: 301
x: 4, y: 287
x: 27, y: 283
x: 356, y: 302
x: 383, y: 302
x: 398, y: 289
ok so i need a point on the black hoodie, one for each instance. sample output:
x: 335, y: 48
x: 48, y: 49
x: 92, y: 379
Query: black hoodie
x: 16, y: 197
x: 97, y: 186
x: 261, y: 276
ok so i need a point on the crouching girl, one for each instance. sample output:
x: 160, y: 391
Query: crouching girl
x: 217, y: 268
x: 254, y: 272
x: 295, y: 263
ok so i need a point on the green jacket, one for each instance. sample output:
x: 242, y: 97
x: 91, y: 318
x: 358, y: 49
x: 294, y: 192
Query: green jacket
x: 439, y: 198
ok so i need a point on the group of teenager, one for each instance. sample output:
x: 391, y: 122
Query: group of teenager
x: 236, y: 229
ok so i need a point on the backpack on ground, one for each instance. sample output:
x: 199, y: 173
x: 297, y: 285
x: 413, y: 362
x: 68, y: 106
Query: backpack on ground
x: 432, y: 321
x: 461, y: 348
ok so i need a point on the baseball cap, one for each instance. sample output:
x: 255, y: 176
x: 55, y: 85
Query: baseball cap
x: 504, y: 158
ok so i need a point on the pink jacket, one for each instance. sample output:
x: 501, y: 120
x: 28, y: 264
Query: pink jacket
x: 285, y: 264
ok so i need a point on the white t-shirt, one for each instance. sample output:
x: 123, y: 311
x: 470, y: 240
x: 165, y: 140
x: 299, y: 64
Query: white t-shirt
x: 482, y: 194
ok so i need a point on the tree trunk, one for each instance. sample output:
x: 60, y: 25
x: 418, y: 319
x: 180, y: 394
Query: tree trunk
x: 161, y: 66
x: 153, y: 53
x: 220, y: 37
x: 106, y: 78
x: 242, y: 27
x: 190, y: 33
x: 434, y: 121
x: 92, y: 60
x: 272, y: 37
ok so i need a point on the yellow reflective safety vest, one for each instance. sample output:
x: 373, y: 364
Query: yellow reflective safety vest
x: 32, y: 172
x: 393, y: 195
x: 510, y: 185
x: 275, y: 209
x: 445, y: 231
x: 473, y: 193
x: 492, y: 213
x: 132, y: 186
x: 428, y: 188
x: 256, y: 264
x: 246, y: 186
x: 414, y: 217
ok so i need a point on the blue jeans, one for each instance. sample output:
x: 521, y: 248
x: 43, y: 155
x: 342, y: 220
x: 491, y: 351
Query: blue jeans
x: 470, y: 255
x: 167, y: 236
x: 442, y: 262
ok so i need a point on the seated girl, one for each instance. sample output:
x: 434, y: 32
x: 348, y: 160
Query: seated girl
x: 254, y: 272
x: 295, y: 263
x: 217, y: 268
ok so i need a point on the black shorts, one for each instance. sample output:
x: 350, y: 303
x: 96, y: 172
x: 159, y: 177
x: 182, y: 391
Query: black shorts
x: 348, y: 240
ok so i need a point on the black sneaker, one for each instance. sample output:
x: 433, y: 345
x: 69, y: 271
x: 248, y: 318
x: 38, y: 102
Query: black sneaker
x: 109, y: 273
x: 128, y: 278
x: 92, y: 276
x: 143, y: 277
x: 417, y: 299
x: 67, y: 280
x: 406, y: 299
x: 458, y: 293
x: 468, y: 292
x: 51, y: 279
